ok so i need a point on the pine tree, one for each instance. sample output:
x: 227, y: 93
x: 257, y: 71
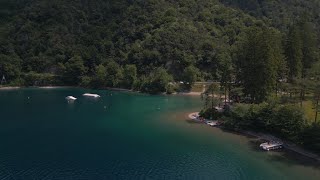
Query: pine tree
x: 294, y: 53
x: 260, y: 59
x: 309, y: 44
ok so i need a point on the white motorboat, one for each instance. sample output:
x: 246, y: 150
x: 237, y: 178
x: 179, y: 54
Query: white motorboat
x: 272, y: 145
x: 71, y: 98
x: 91, y: 95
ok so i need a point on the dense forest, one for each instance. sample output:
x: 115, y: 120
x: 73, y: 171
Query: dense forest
x: 125, y: 43
x: 256, y: 50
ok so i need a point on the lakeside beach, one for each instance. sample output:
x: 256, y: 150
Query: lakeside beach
x: 9, y: 88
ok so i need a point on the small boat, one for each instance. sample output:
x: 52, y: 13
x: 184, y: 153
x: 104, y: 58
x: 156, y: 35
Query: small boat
x: 91, y: 95
x: 272, y: 145
x: 195, y: 116
x: 212, y: 123
x: 71, y: 98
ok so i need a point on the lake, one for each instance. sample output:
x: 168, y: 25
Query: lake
x: 127, y: 136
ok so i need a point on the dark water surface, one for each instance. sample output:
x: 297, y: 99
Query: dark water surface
x: 126, y: 136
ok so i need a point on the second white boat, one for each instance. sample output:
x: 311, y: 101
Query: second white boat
x: 91, y: 95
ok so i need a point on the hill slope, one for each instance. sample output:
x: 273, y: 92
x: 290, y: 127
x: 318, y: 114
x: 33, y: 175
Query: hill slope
x: 42, y: 36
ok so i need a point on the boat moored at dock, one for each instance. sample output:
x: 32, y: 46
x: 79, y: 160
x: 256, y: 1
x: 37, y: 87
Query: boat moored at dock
x: 272, y: 145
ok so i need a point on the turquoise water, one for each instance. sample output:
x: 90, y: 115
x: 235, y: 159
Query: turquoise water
x: 126, y: 136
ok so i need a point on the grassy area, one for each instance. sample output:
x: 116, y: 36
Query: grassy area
x: 309, y: 110
x: 197, y: 88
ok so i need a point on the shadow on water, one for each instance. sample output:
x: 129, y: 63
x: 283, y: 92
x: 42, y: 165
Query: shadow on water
x: 285, y: 156
x: 237, y: 133
x: 292, y: 158
x: 190, y: 121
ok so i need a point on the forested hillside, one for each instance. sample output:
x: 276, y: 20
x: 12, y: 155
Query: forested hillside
x: 144, y: 44
x: 280, y: 13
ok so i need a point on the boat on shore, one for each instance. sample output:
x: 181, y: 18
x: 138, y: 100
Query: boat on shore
x: 272, y: 145
x: 71, y: 98
x: 91, y: 95
x: 212, y: 123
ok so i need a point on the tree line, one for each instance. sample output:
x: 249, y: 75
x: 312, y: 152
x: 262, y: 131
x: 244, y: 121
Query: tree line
x: 75, y: 42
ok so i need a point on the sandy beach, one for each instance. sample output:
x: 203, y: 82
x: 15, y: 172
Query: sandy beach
x: 42, y: 87
x: 188, y: 93
x: 8, y: 88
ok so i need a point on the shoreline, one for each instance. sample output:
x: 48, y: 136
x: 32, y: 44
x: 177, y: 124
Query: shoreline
x: 267, y: 137
x: 40, y: 87
x: 120, y: 89
x: 287, y: 144
x: 106, y: 88
x: 9, y: 87
x: 54, y: 87
x: 188, y: 93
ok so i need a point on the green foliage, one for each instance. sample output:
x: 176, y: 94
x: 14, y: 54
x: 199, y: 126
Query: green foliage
x: 114, y: 74
x: 129, y: 76
x: 10, y: 67
x: 279, y: 14
x: 294, y: 53
x: 148, y: 34
x: 73, y: 71
x: 311, y: 137
x: 309, y: 49
x: 288, y: 121
x: 190, y: 75
x: 191, y: 40
x: 284, y: 120
x: 212, y: 114
x: 259, y: 60
x: 210, y: 96
x: 40, y: 79
x: 172, y: 88
x: 86, y: 81
x: 157, y: 82
x: 99, y: 80
x: 225, y: 68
